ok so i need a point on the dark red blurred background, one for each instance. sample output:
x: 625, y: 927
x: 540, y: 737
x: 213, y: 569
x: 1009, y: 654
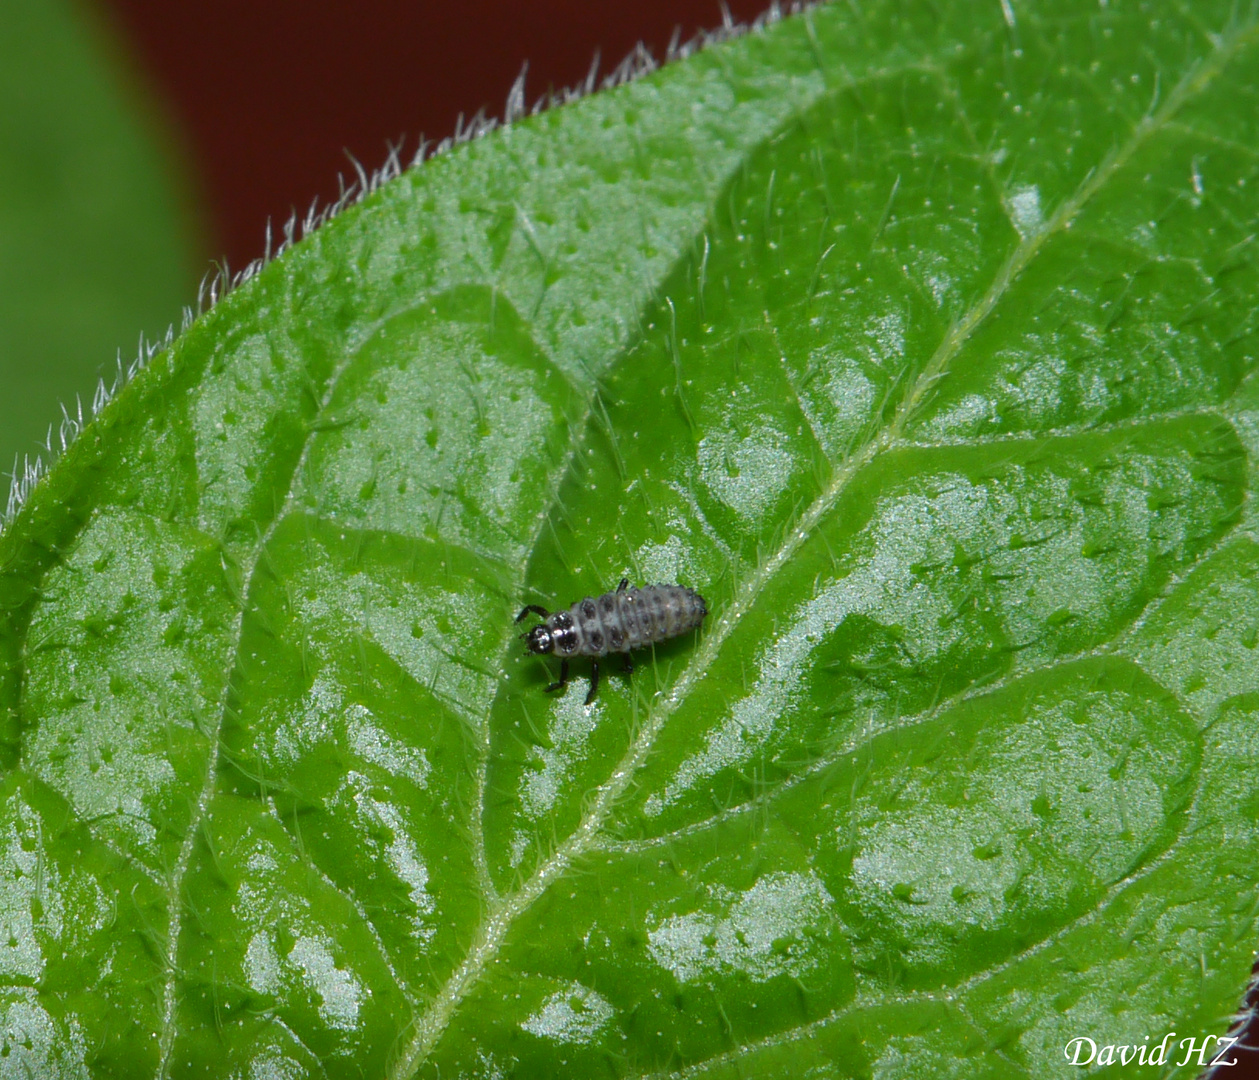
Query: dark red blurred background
x: 268, y: 95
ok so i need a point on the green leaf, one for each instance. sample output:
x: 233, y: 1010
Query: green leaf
x: 920, y: 340
x: 95, y: 245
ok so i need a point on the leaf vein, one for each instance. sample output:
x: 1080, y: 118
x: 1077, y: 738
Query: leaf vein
x: 183, y: 860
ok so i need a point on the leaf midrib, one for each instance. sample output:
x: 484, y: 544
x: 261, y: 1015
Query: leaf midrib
x: 502, y: 915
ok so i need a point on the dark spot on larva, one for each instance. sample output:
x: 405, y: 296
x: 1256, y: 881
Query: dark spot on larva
x: 562, y: 619
x: 618, y: 638
x: 596, y: 641
x: 588, y: 609
x: 606, y: 603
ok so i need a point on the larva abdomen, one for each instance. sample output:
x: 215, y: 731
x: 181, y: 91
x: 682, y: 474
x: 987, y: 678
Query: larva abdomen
x: 614, y: 622
x: 629, y: 619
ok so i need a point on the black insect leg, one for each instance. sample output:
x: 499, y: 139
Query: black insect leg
x: 624, y: 582
x: 594, y: 681
x: 629, y: 664
x: 536, y: 610
x: 563, y: 678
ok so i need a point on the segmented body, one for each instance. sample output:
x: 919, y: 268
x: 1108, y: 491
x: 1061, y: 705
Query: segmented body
x: 625, y: 620
x: 614, y: 622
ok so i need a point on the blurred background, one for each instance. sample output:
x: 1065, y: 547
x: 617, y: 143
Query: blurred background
x: 142, y: 140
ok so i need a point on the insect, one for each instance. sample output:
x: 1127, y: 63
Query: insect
x: 614, y: 622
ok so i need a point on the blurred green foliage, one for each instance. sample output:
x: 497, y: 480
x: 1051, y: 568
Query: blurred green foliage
x: 97, y: 239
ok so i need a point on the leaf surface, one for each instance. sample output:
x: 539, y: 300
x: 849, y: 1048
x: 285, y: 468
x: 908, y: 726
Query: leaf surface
x: 921, y: 343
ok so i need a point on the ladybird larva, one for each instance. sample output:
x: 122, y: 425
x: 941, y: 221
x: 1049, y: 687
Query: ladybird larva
x: 614, y: 622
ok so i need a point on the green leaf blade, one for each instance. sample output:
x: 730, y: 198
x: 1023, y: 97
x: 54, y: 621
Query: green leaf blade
x: 929, y: 785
